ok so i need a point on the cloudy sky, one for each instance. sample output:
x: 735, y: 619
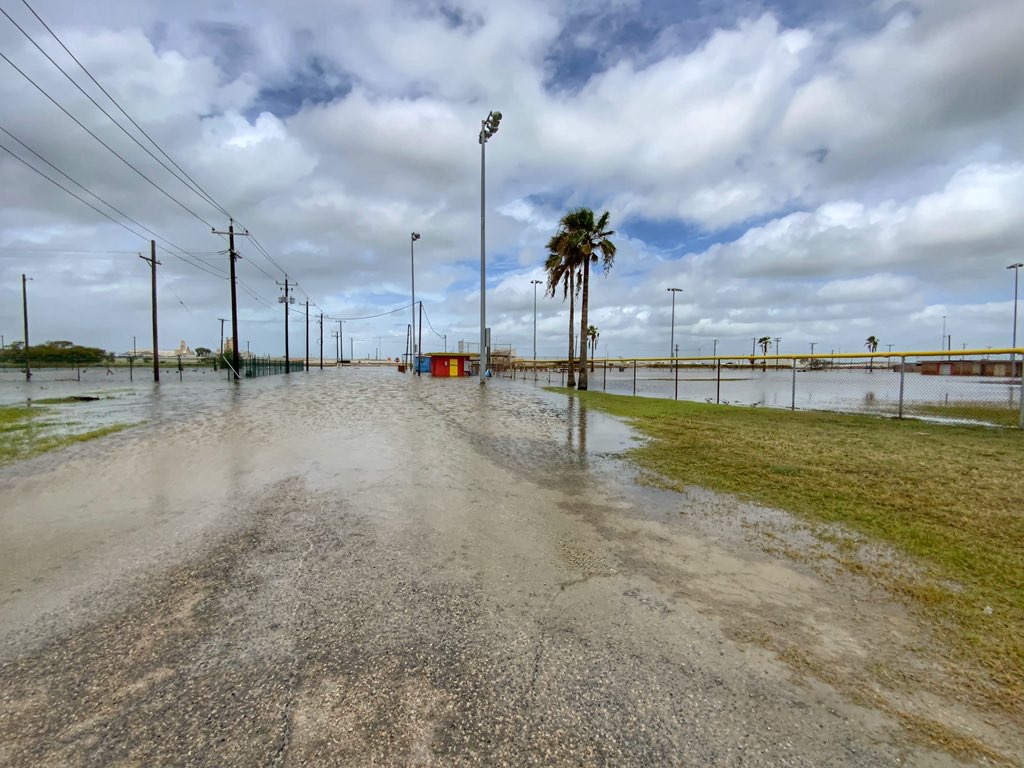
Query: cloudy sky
x: 817, y: 171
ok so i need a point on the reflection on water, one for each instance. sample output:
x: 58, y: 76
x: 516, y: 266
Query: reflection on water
x: 204, y: 449
x: 877, y: 391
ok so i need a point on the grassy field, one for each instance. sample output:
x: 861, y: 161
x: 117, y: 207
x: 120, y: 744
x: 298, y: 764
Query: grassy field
x: 951, y: 497
x: 28, y: 431
x: 987, y: 413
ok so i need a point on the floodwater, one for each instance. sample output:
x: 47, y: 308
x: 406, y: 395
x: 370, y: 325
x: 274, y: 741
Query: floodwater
x: 356, y: 567
x: 849, y: 391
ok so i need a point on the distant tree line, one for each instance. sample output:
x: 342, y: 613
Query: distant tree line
x: 54, y: 353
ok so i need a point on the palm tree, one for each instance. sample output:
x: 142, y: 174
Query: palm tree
x: 592, y: 334
x: 765, y: 342
x: 872, y: 344
x: 559, y: 270
x: 579, y: 240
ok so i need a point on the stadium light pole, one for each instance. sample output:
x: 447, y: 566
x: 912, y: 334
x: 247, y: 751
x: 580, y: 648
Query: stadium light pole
x: 535, y: 283
x: 488, y: 127
x: 1013, y: 355
x: 672, y: 336
x: 412, y: 265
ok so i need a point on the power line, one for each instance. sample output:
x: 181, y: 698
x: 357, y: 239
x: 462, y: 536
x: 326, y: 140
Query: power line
x: 369, y: 317
x: 107, y: 146
x: 90, y: 192
x: 114, y: 101
x: 439, y: 335
x: 99, y: 107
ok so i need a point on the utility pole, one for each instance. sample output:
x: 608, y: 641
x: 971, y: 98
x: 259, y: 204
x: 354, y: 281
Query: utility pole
x: 306, y: 367
x: 337, y: 348
x: 813, y: 345
x: 341, y: 341
x: 286, y: 300
x: 233, y: 256
x: 24, y: 313
x: 321, y: 341
x: 156, y: 344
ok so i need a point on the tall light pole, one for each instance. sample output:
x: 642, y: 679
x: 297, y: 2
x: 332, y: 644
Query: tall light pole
x: 673, y: 349
x: 412, y: 261
x: 778, y: 343
x: 535, y: 283
x: 714, y: 352
x: 672, y: 337
x: 942, y: 346
x: 1013, y: 355
x: 488, y: 127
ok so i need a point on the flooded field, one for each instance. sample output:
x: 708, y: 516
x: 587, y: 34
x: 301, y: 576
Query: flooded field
x: 356, y: 567
x: 848, y: 391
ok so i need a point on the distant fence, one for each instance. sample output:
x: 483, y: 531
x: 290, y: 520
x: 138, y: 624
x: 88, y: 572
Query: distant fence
x: 268, y: 366
x: 963, y: 387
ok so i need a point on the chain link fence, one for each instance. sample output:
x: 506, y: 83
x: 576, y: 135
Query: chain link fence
x: 966, y: 387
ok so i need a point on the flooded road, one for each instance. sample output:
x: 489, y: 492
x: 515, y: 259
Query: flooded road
x: 357, y: 567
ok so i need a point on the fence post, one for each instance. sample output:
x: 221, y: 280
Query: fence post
x: 792, y: 405
x: 604, y: 380
x: 1020, y: 398
x: 718, y: 382
x: 634, y: 378
x: 903, y: 371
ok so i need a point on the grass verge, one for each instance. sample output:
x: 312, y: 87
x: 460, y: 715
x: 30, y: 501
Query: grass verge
x: 28, y: 431
x: 952, y: 497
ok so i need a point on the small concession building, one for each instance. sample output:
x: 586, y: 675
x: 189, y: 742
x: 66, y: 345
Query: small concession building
x: 447, y: 364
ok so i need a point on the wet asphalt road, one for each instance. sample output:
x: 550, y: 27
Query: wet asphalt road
x: 356, y: 568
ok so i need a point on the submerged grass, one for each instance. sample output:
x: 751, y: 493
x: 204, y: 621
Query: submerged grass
x: 950, y: 496
x: 28, y: 431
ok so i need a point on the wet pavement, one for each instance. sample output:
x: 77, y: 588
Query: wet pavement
x: 357, y: 567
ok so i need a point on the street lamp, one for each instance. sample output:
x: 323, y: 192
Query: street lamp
x: 488, y: 127
x: 412, y: 263
x: 535, y: 283
x: 1013, y: 355
x: 778, y: 340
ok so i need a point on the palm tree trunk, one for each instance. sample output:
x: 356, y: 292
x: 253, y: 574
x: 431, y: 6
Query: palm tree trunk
x: 593, y: 353
x: 571, y: 374
x: 583, y: 323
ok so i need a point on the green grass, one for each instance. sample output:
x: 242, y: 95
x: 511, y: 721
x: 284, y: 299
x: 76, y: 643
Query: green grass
x: 28, y: 431
x: 951, y: 497
x: 988, y: 413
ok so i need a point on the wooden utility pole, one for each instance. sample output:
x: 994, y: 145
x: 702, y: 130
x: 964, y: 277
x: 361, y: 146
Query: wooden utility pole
x: 156, y: 344
x: 24, y: 312
x: 286, y: 300
x: 306, y: 367
x: 321, y: 341
x: 233, y: 256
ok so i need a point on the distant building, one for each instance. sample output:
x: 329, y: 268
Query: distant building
x: 949, y: 367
